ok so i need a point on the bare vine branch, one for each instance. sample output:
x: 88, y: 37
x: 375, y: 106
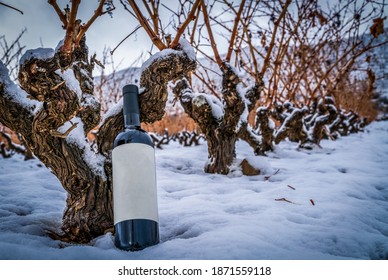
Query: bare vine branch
x: 184, y: 25
x: 144, y: 23
x: 210, y: 33
x: 234, y: 32
x: 11, y: 7
x: 272, y: 43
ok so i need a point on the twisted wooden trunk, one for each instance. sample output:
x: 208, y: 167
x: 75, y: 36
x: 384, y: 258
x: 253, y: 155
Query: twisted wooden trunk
x: 222, y: 132
x: 63, y: 110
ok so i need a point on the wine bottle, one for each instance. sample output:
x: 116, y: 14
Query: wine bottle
x: 135, y: 209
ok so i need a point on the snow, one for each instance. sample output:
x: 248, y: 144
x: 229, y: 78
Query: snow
x: 13, y: 91
x: 261, y: 163
x: 39, y: 53
x: 199, y: 99
x: 77, y: 137
x: 113, y: 111
x: 157, y: 56
x: 210, y: 216
x: 71, y: 81
x: 186, y: 48
x: 59, y: 46
x: 90, y: 101
x: 215, y: 104
x: 244, y: 116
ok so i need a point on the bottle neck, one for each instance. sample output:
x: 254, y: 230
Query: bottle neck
x: 131, y: 109
x: 132, y: 121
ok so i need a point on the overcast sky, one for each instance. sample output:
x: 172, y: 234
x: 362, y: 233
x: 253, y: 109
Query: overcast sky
x: 44, y: 28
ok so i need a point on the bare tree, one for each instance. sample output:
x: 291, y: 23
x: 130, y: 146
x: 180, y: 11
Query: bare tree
x: 224, y: 118
x: 55, y: 108
x: 322, y: 47
x: 324, y: 50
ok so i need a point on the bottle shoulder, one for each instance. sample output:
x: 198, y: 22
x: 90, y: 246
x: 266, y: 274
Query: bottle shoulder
x: 133, y: 136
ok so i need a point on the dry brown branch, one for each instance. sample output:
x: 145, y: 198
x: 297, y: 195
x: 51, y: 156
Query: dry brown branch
x: 245, y: 36
x: 11, y: 7
x: 208, y: 56
x: 152, y: 15
x: 234, y: 32
x: 206, y: 82
x: 71, y: 26
x: 151, y: 33
x: 83, y: 28
x: 184, y: 25
x: 272, y: 43
x: 252, y: 51
x: 59, y: 12
x: 74, y: 30
x: 126, y: 37
x: 195, y: 25
x: 210, y: 33
x: 284, y: 200
x: 355, y: 55
x: 321, y: 49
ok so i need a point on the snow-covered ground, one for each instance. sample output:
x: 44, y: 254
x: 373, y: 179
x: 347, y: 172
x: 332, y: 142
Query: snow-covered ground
x: 207, y: 216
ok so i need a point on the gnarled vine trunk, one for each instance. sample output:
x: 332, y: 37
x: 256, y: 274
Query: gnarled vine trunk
x: 63, y: 109
x: 221, y: 148
x: 222, y: 130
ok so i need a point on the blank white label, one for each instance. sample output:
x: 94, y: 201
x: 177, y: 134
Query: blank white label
x: 134, y: 183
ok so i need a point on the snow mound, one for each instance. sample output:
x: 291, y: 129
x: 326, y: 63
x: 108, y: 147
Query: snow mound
x: 39, y: 53
x: 261, y: 163
x: 186, y: 48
